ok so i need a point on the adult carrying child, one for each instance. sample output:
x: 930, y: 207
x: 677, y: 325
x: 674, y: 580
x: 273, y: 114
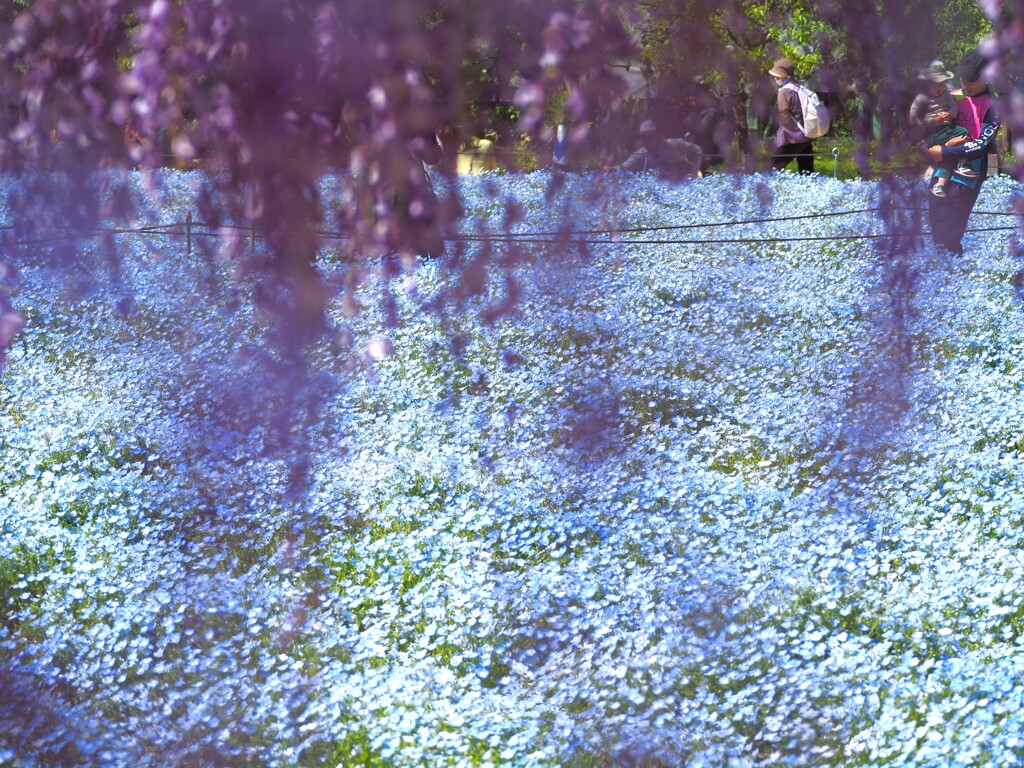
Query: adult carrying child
x: 933, y: 116
x: 976, y: 112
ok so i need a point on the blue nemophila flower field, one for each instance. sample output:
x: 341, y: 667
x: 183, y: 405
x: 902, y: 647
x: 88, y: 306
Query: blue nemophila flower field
x: 755, y: 502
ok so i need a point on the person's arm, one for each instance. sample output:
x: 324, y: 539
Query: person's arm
x: 919, y: 111
x: 638, y: 161
x: 782, y: 103
x: 426, y: 149
x: 950, y: 108
x: 978, y: 147
x: 685, y: 156
x: 920, y: 116
x: 786, y: 119
x: 788, y: 105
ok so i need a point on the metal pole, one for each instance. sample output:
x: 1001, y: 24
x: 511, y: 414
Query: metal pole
x: 188, y: 232
x: 835, y: 162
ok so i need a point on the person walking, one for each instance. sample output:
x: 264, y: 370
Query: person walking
x: 948, y: 215
x: 790, y: 141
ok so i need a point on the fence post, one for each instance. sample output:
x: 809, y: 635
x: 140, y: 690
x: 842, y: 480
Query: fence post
x: 835, y: 162
x: 188, y: 232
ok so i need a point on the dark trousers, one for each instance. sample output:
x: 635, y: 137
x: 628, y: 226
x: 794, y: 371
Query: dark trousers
x: 803, y: 153
x: 948, y: 216
x: 945, y: 133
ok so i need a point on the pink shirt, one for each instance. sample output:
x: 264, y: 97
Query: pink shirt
x: 971, y: 111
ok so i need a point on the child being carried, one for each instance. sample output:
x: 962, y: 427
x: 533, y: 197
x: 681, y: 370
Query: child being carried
x: 934, y: 111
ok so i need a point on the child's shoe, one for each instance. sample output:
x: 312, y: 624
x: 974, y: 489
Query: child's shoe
x: 939, y: 190
x: 966, y: 172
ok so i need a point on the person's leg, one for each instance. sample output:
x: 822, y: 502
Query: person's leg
x: 782, y: 157
x: 963, y: 167
x: 805, y: 158
x: 948, y: 218
x: 940, y: 181
x: 945, y: 133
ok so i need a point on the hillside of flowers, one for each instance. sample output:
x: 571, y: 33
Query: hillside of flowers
x: 694, y: 502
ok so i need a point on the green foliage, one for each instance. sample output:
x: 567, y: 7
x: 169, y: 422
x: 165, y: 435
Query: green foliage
x: 797, y: 35
x: 704, y: 59
x: 961, y: 25
x: 748, y: 35
x: 353, y: 750
x: 20, y: 586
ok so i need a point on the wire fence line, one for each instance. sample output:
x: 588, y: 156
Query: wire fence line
x: 191, y: 228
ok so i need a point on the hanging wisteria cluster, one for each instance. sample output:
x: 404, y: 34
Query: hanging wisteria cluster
x: 652, y: 518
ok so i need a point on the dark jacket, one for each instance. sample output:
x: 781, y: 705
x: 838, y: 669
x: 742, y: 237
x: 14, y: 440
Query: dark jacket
x: 986, y: 125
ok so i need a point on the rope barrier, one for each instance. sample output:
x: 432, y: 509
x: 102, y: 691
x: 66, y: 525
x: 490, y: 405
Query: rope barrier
x: 565, y: 241
x: 742, y: 240
x: 190, y: 229
x: 684, y: 226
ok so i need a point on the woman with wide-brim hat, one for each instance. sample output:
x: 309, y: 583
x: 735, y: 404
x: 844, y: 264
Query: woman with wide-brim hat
x: 790, y: 141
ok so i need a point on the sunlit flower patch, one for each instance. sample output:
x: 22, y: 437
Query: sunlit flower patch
x: 715, y: 493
